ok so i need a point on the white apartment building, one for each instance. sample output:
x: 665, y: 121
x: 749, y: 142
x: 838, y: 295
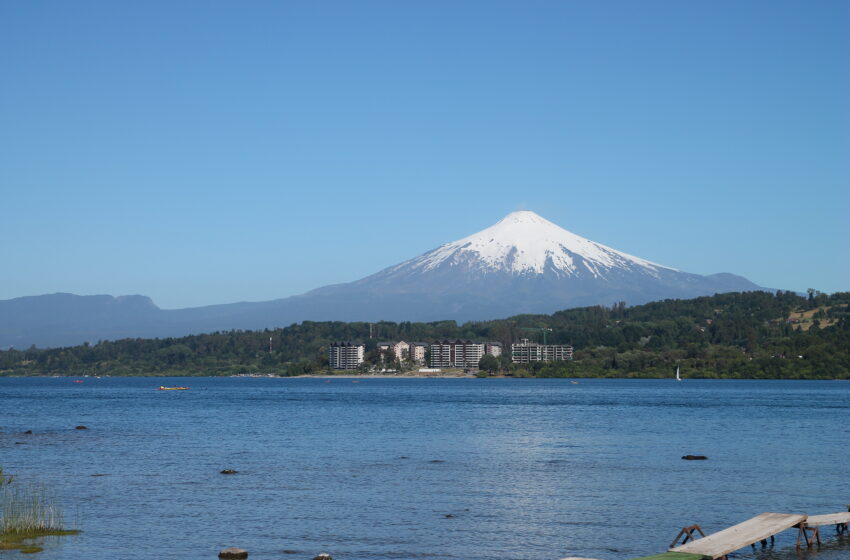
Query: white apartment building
x: 493, y: 348
x: 417, y: 352
x: 346, y: 355
x: 401, y: 350
x: 413, y: 351
x: 526, y: 352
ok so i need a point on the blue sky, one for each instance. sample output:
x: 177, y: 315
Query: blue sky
x: 211, y: 152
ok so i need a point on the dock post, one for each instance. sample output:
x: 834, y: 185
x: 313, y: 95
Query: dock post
x: 688, y: 532
x: 804, y: 533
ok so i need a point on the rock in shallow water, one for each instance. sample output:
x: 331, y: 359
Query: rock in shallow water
x: 323, y: 556
x: 695, y: 458
x: 233, y: 553
x: 229, y: 471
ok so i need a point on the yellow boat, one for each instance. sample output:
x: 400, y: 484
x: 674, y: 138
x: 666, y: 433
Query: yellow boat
x: 161, y: 388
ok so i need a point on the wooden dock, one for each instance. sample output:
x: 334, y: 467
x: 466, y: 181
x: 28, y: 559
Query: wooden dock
x: 836, y: 519
x: 759, y: 528
x: 811, y: 528
x: 673, y: 556
x: 662, y: 556
x: 751, y: 531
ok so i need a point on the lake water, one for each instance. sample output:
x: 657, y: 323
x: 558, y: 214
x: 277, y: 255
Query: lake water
x: 528, y: 469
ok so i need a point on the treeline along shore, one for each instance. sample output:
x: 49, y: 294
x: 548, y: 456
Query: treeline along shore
x: 752, y: 335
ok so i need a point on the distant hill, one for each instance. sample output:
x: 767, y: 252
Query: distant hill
x: 522, y: 264
x: 737, y: 335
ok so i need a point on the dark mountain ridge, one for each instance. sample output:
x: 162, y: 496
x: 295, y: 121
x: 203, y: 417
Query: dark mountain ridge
x: 735, y: 335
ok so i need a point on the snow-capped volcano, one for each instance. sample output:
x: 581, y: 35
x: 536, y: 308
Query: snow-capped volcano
x: 525, y: 243
x: 522, y: 264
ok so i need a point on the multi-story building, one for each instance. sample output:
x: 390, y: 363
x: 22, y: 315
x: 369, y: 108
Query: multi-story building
x: 417, y: 352
x: 413, y: 351
x: 493, y: 348
x: 526, y: 352
x: 401, y: 350
x: 346, y: 355
x: 441, y: 354
x: 457, y: 353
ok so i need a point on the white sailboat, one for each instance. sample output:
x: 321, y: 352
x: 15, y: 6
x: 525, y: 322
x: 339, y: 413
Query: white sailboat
x: 678, y: 377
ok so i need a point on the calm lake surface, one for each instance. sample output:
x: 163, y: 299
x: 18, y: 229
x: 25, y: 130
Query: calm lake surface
x: 529, y: 469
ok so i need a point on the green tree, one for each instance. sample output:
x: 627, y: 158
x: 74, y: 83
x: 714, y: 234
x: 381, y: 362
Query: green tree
x: 488, y: 363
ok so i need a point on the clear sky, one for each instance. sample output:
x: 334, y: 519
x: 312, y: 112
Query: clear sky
x: 211, y: 152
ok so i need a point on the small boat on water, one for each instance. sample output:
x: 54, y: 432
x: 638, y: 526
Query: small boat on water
x: 162, y: 388
x: 678, y: 377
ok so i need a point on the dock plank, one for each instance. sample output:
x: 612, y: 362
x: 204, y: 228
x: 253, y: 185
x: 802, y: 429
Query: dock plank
x: 673, y: 556
x: 828, y: 519
x: 743, y: 534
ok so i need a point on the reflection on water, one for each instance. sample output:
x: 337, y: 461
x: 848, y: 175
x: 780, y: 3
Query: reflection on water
x: 490, y: 469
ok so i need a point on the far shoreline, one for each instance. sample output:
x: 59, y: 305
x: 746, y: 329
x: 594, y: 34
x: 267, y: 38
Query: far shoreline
x: 331, y: 376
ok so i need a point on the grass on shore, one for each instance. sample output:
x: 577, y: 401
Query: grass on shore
x: 28, y: 508
x: 28, y: 512
x: 26, y: 542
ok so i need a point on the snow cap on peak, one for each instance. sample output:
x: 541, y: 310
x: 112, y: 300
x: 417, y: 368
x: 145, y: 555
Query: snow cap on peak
x: 524, y: 242
x: 526, y: 216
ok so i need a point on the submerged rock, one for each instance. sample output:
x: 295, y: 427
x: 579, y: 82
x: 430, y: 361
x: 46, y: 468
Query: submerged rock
x: 80, y: 427
x: 229, y: 471
x: 695, y: 458
x: 233, y: 553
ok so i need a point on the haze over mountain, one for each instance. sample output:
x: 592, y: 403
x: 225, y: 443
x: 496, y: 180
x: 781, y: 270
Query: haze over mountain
x: 522, y: 264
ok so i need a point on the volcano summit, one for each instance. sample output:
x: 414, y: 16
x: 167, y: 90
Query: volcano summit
x: 524, y: 244
x: 522, y: 264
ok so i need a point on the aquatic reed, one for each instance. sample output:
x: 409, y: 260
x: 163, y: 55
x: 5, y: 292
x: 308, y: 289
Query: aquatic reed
x: 28, y: 508
x: 5, y: 479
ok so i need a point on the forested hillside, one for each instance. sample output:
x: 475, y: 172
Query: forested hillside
x: 738, y: 335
